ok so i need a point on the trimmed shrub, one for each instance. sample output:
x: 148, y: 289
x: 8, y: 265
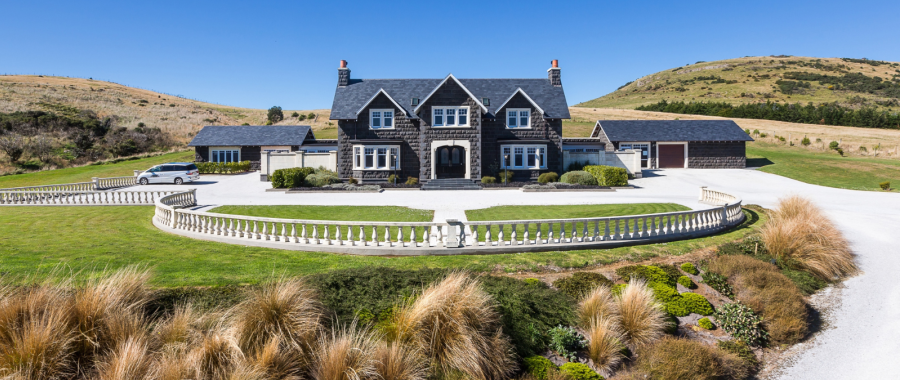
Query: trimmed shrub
x: 739, y: 321
x: 222, y: 167
x: 677, y: 358
x: 608, y: 175
x: 690, y: 269
x: 488, y: 180
x: 670, y: 270
x: 412, y: 181
x: 647, y: 273
x: 548, y: 177
x: 290, y: 178
x: 321, y: 178
x: 580, y: 283
x: 505, y: 176
x: 664, y: 293
x: 579, y: 178
x: 705, y: 324
x: 689, y: 303
x: 538, y: 366
x: 686, y: 282
x: 580, y: 371
x: 885, y: 185
x: 393, y: 178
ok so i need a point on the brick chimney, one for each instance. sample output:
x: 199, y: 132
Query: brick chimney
x: 553, y: 73
x: 343, y: 74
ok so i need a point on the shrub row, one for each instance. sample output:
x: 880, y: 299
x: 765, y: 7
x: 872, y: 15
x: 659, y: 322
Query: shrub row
x: 579, y: 178
x: 608, y: 175
x: 223, y: 167
x: 290, y: 178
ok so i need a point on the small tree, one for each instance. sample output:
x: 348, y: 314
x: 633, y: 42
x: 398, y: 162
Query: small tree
x: 833, y: 145
x: 311, y: 115
x: 295, y: 114
x: 275, y: 115
x: 805, y: 141
x: 13, y: 145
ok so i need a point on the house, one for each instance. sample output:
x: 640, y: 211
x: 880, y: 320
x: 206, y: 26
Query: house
x: 707, y: 144
x: 450, y: 127
x: 217, y: 143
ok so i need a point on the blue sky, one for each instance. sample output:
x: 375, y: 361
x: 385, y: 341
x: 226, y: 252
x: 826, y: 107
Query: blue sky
x: 259, y: 54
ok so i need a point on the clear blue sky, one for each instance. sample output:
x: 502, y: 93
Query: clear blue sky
x: 258, y: 54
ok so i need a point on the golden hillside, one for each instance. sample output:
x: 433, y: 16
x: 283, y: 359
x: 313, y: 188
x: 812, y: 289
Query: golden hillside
x: 178, y: 116
x: 784, y: 79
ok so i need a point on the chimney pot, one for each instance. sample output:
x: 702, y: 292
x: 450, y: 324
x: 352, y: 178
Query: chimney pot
x: 554, y: 63
x: 344, y: 64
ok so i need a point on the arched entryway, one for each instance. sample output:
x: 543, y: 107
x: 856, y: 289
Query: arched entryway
x: 450, y: 162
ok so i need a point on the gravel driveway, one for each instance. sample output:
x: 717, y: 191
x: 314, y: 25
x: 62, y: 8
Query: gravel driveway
x: 861, y: 338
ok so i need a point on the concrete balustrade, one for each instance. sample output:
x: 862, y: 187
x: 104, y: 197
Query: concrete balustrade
x: 449, y: 237
x: 82, y: 198
x: 113, y: 182
x: 80, y: 186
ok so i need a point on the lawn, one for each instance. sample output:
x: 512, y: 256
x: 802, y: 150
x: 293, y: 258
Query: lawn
x: 55, y: 241
x: 821, y: 168
x: 562, y: 212
x: 85, y: 173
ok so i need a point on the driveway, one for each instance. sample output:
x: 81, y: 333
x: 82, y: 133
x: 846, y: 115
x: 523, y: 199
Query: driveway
x: 862, y: 334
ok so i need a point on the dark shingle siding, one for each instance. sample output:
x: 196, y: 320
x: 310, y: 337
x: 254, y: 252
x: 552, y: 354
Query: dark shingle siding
x: 349, y: 99
x: 673, y: 130
x: 250, y: 135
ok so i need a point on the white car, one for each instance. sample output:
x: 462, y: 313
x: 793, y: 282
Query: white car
x: 172, y: 172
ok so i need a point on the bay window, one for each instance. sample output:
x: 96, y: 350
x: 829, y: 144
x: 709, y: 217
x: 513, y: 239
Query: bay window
x: 449, y: 116
x: 224, y: 155
x: 381, y: 119
x: 523, y: 157
x: 376, y: 157
x: 518, y: 118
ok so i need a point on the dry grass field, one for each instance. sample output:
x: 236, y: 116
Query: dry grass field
x: 755, y: 78
x: 178, y: 116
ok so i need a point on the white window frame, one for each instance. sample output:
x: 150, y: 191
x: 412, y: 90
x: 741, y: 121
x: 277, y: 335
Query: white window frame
x: 233, y: 154
x: 392, y: 155
x: 381, y: 118
x: 539, y: 163
x: 444, y: 113
x: 631, y: 145
x: 518, y: 118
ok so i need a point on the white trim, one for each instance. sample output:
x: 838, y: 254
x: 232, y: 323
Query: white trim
x: 463, y: 143
x: 517, y: 110
x: 381, y: 118
x: 685, y: 143
x: 520, y: 90
x: 363, y: 147
x: 444, y: 115
x: 525, y: 165
x: 649, y: 146
x: 381, y: 91
x: 425, y: 99
x: 213, y: 149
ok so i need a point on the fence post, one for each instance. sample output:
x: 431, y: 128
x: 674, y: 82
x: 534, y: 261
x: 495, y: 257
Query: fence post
x: 725, y: 215
x: 96, y: 183
x: 451, y: 240
x: 702, y: 190
x: 137, y: 173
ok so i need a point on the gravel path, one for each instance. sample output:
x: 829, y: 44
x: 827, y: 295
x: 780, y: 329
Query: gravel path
x: 861, y: 337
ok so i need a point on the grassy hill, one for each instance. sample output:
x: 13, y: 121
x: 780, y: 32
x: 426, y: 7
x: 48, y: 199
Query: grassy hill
x: 853, y: 83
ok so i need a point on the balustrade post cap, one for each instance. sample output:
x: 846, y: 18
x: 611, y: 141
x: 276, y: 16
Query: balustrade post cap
x: 451, y: 221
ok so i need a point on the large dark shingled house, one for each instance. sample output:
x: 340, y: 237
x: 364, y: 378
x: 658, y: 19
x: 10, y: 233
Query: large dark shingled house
x: 450, y: 127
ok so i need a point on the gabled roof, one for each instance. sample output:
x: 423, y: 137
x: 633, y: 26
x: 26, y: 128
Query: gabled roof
x: 519, y: 91
x: 252, y: 135
x: 348, y: 100
x: 380, y: 91
x: 670, y: 130
x: 450, y: 76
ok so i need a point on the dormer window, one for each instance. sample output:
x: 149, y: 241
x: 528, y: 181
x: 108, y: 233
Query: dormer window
x: 449, y: 117
x: 381, y: 119
x: 486, y: 102
x: 518, y: 118
x: 414, y: 101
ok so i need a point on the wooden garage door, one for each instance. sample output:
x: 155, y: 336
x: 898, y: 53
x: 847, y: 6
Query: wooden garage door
x: 671, y: 156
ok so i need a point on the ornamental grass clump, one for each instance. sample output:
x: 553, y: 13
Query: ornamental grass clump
x: 37, y: 338
x: 396, y: 361
x: 798, y: 232
x: 643, y: 319
x: 346, y: 353
x: 598, y: 304
x: 605, y: 343
x: 456, y: 327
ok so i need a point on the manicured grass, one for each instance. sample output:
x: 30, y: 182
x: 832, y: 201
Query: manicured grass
x: 826, y: 168
x: 84, y: 173
x: 563, y: 212
x: 56, y: 241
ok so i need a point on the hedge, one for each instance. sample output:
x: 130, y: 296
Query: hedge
x: 608, y: 175
x: 579, y: 177
x: 548, y: 177
x: 223, y: 167
x: 290, y: 178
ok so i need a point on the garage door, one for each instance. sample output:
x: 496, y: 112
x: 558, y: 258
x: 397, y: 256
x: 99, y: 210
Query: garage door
x: 671, y: 156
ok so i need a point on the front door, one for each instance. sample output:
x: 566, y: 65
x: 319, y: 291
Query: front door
x: 451, y: 162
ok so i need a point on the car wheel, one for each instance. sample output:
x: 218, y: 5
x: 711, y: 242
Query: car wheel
x: 144, y: 181
x: 178, y: 181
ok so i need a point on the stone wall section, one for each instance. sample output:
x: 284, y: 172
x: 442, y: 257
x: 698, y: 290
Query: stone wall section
x: 451, y: 94
x: 717, y: 155
x: 541, y: 129
x: 404, y: 129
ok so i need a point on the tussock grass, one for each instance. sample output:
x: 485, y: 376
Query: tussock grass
x: 36, y: 338
x: 287, y: 308
x: 215, y: 356
x: 278, y: 359
x: 396, y: 361
x: 676, y: 358
x: 131, y: 360
x: 346, y: 353
x: 643, y: 319
x: 598, y: 303
x: 799, y: 232
x: 605, y: 343
x: 456, y: 327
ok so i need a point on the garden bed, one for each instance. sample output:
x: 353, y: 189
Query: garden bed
x: 399, y: 186
x: 325, y: 189
x: 562, y: 187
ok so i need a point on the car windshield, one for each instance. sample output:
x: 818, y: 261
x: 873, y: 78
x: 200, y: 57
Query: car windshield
x: 154, y: 169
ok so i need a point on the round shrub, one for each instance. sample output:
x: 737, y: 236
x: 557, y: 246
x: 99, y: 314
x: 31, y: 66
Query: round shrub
x: 740, y: 322
x: 538, y: 366
x: 647, y: 273
x: 705, y: 324
x: 505, y: 176
x: 534, y: 282
x: 548, y: 177
x: 321, y: 178
x: 412, y: 180
x: 689, y: 269
x: 579, y: 178
x: 580, y: 371
x: 608, y: 175
x: 488, y: 180
x: 577, y: 285
x: 664, y: 293
x: 686, y: 282
x: 696, y: 303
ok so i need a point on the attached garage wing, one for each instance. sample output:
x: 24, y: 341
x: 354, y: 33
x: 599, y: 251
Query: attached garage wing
x: 671, y: 155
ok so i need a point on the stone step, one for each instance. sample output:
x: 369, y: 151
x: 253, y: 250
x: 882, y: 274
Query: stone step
x: 451, y: 184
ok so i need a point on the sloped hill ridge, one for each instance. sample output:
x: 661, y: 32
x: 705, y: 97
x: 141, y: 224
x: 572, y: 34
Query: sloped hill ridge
x: 853, y: 83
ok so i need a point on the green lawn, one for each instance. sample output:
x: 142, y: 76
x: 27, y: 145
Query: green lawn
x: 826, y: 169
x: 84, y: 173
x: 562, y: 212
x: 55, y: 241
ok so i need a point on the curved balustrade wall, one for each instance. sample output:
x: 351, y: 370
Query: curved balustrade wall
x: 450, y: 237
x: 82, y: 198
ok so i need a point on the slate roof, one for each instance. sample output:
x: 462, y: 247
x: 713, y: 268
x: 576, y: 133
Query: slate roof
x: 251, y: 135
x: 349, y: 99
x: 671, y: 130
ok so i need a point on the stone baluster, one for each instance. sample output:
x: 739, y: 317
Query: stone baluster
x: 337, y: 234
x: 303, y: 233
x: 362, y: 236
x: 526, y: 239
x: 513, y: 236
x: 387, y: 236
x: 500, y: 237
x: 537, y: 234
x: 562, y: 232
